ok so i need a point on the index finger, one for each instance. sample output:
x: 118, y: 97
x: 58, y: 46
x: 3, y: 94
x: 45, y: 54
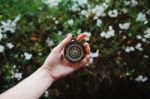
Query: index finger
x: 81, y: 36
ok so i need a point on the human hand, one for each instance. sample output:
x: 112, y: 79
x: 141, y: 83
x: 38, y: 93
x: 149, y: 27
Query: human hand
x: 58, y: 66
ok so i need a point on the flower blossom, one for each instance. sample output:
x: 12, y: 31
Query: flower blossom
x: 27, y: 56
x: 10, y: 25
x: 113, y: 13
x: 141, y: 17
x: 10, y: 45
x: 52, y: 3
x: 108, y: 34
x: 124, y: 26
x: 141, y: 78
x: 1, y: 48
x: 18, y: 75
x: 88, y: 35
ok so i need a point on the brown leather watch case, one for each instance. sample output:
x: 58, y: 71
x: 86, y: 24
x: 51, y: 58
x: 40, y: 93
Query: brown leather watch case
x: 74, y: 51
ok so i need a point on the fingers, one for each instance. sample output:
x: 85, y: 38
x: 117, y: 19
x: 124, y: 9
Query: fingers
x: 86, y: 60
x: 87, y: 56
x: 87, y: 47
x: 83, y: 62
x: 61, y: 46
x: 81, y: 36
x: 63, y: 43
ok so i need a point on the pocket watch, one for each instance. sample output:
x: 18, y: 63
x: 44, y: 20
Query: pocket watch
x: 74, y: 51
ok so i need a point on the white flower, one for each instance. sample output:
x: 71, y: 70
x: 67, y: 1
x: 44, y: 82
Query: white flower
x: 148, y: 12
x: 89, y: 12
x: 1, y: 30
x: 70, y: 22
x: 88, y: 35
x: 110, y: 33
x: 27, y: 56
x: 40, y: 54
x: 129, y: 49
x: 98, y: 22
x: 124, y: 37
x: 83, y: 12
x: 124, y: 10
x: 82, y: 2
x: 98, y: 10
x: 130, y: 2
x: 113, y: 13
x: 144, y: 40
x: 139, y: 37
x: 79, y: 31
x: 8, y: 26
x: 53, y: 18
x: 124, y: 26
x: 103, y: 34
x: 94, y: 54
x: 140, y: 78
x: 10, y: 45
x: 132, y: 48
x: 49, y: 42
x: 1, y: 48
x: 147, y: 33
x: 126, y: 2
x: 52, y: 3
x: 18, y: 75
x: 56, y: 22
x: 14, y: 66
x: 17, y: 18
x: 141, y: 17
x: 145, y: 56
x: 139, y: 46
x: 105, y: 5
x: 46, y: 94
x: 1, y: 36
x: 134, y: 3
x: 107, y: 1
x: 75, y: 7
x: 91, y: 60
x: 60, y: 33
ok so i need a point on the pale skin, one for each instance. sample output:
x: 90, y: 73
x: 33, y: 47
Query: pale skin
x: 54, y: 67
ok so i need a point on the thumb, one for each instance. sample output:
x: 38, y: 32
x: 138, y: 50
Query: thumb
x: 63, y: 43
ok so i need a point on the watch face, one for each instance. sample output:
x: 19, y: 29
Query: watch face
x: 74, y: 52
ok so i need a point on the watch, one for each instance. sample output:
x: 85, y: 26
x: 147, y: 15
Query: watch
x: 74, y: 51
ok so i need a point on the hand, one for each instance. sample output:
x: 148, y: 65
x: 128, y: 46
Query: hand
x: 58, y: 66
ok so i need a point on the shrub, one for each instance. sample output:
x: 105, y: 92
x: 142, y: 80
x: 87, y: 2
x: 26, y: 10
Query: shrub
x: 117, y: 30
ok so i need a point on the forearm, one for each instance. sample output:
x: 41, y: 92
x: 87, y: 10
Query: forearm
x: 30, y: 88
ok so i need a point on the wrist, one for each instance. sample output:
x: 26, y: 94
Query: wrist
x: 47, y: 72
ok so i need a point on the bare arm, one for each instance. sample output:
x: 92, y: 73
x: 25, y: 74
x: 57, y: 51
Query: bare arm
x: 54, y: 67
x: 30, y: 88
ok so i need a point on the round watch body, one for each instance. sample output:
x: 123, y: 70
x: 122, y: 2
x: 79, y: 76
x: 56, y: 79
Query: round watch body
x: 74, y: 51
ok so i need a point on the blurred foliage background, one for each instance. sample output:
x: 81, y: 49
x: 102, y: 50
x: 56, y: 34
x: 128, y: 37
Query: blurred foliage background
x: 118, y: 33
